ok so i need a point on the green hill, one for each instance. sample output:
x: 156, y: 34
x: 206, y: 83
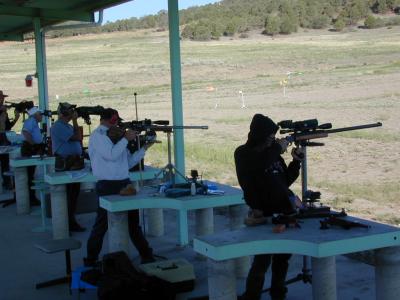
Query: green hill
x: 230, y: 17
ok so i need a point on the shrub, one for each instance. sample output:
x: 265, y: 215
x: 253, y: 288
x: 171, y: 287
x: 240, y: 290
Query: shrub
x: 319, y: 22
x: 272, y: 25
x: 339, y: 25
x: 288, y: 25
x: 370, y: 22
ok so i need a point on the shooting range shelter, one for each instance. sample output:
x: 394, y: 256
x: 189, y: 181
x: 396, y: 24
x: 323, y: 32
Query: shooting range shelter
x: 19, y: 17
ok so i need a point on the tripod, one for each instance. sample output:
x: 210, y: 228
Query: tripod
x: 305, y: 274
x: 169, y: 169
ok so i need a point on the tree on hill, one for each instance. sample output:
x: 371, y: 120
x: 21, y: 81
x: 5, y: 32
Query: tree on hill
x: 230, y: 17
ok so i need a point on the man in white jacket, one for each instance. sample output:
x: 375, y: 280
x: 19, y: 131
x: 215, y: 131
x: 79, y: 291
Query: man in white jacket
x: 110, y: 165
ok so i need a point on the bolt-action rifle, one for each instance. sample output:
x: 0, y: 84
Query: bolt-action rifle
x: 345, y: 224
x: 21, y: 107
x: 302, y: 131
x: 85, y: 112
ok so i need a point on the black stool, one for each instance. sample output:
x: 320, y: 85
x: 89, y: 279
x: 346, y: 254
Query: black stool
x: 53, y: 246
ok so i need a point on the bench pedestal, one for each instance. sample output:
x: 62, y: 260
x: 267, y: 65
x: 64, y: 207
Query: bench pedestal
x: 387, y: 273
x: 22, y: 191
x: 118, y: 235
x: 155, y: 221
x: 221, y: 280
x: 324, y: 278
x: 59, y: 211
x: 236, y: 219
x: 204, y: 221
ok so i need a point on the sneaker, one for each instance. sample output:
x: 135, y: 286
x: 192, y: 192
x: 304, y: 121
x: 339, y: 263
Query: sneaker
x: 35, y: 202
x: 75, y: 227
x: 255, y: 217
x: 147, y: 259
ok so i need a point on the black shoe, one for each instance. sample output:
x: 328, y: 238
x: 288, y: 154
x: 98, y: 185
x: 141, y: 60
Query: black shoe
x: 75, y: 227
x: 89, y: 262
x: 35, y: 202
x: 147, y: 259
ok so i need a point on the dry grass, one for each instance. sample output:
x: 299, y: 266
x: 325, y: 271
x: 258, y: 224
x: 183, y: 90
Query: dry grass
x: 346, y: 78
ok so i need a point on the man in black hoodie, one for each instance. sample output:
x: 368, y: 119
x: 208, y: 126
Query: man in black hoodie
x: 265, y: 179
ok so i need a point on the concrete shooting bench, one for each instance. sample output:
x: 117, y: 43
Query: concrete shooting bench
x: 20, y: 165
x: 118, y: 206
x: 321, y: 245
x: 11, y: 150
x: 58, y: 195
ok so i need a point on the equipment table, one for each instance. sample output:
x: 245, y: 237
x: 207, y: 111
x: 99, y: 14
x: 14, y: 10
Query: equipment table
x: 57, y: 182
x: 117, y: 207
x: 321, y: 245
x: 20, y: 165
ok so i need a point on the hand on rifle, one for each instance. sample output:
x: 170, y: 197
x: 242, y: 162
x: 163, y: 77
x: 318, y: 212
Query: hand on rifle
x: 16, y: 114
x: 283, y: 143
x: 74, y: 116
x: 297, y: 154
x: 130, y: 135
x: 148, y: 145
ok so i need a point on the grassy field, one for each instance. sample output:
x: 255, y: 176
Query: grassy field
x: 346, y: 78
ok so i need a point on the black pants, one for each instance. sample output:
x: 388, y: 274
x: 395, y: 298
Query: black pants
x: 5, y: 167
x: 31, y: 177
x: 95, y: 242
x: 72, y: 190
x: 256, y: 276
x: 4, y: 160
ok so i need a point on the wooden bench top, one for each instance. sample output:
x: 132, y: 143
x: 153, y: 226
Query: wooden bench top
x: 308, y: 240
x: 149, y: 198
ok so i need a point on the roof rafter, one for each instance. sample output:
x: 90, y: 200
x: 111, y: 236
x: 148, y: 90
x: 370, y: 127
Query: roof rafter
x: 62, y: 15
x: 11, y: 37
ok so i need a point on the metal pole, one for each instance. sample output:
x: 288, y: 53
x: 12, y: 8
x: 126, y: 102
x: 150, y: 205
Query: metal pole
x: 176, y: 86
x: 41, y: 66
x: 304, y: 173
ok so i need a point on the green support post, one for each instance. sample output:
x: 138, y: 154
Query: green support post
x: 176, y: 86
x: 41, y: 66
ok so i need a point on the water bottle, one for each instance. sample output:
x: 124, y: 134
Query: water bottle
x: 193, y: 189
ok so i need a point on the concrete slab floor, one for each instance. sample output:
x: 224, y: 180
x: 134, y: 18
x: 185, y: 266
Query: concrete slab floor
x: 22, y: 265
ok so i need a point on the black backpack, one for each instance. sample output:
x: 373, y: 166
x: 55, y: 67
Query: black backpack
x: 120, y: 280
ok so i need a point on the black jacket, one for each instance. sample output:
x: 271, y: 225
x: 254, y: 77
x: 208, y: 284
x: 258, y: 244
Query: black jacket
x: 265, y: 178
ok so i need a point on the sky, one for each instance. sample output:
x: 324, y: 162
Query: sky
x: 140, y: 8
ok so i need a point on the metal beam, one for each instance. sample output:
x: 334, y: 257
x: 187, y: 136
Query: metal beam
x: 11, y: 37
x: 52, y: 14
x: 100, y: 4
x: 176, y: 86
x: 41, y: 66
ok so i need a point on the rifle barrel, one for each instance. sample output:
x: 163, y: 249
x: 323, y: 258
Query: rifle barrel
x: 161, y: 127
x: 378, y: 124
x: 186, y: 127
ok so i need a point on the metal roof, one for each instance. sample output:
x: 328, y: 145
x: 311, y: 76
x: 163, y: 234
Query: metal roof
x: 16, y: 16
